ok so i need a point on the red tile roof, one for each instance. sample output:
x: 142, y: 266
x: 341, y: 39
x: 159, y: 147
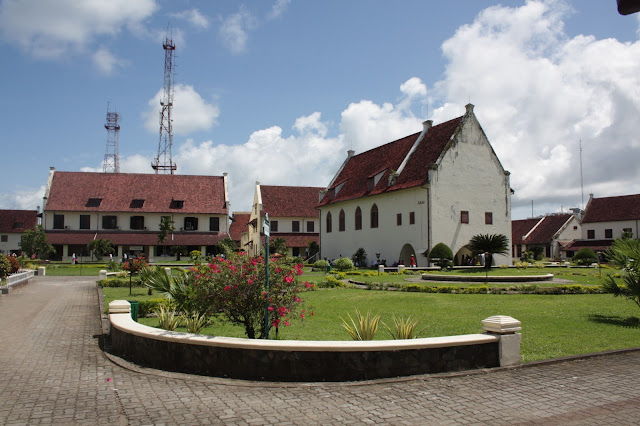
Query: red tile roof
x: 290, y: 201
x: 239, y: 225
x: 520, y: 228
x: 137, y: 239
x: 610, y: 209
x: 595, y: 245
x: 544, y: 232
x: 17, y: 220
x: 71, y: 191
x: 388, y: 158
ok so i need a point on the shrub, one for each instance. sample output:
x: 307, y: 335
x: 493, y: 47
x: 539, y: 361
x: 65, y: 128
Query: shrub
x: 145, y: 307
x: 322, y: 265
x: 413, y: 288
x: 15, y: 265
x: 167, y: 319
x: 5, y: 267
x: 442, y: 254
x: 343, y: 264
x: 403, y: 328
x: 364, y: 327
x: 585, y: 256
x: 119, y: 282
x: 360, y: 257
x: 331, y: 282
x: 113, y: 266
x: 195, y: 322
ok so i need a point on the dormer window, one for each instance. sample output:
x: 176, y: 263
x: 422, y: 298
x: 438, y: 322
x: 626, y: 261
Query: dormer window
x: 136, y: 204
x: 339, y: 188
x: 18, y: 225
x: 372, y: 181
x: 177, y: 204
x: 94, y: 202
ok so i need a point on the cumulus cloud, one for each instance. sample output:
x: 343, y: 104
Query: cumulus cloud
x: 234, y: 30
x: 190, y: 112
x: 278, y: 9
x: 194, y: 17
x: 539, y: 93
x: 48, y: 29
x: 23, y: 199
x: 106, y: 62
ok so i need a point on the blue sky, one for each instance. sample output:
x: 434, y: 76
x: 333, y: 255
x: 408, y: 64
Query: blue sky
x: 278, y: 91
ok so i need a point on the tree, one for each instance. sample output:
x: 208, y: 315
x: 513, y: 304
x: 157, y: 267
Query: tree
x: 360, y: 257
x: 490, y: 245
x: 228, y: 246
x: 34, y: 241
x: 278, y: 245
x: 442, y: 254
x: 166, y: 226
x: 100, y: 248
x: 313, y: 248
x: 625, y: 253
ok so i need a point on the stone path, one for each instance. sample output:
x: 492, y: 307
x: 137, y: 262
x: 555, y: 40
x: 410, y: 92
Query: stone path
x: 52, y: 371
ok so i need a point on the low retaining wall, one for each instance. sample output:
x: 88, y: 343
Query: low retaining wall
x: 293, y: 360
x: 492, y: 279
x: 16, y: 281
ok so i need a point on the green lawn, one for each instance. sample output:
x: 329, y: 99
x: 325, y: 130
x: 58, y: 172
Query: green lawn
x: 552, y: 326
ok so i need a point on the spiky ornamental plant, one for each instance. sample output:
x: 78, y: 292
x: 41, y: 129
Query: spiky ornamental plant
x: 403, y: 328
x: 363, y: 327
x: 626, y: 254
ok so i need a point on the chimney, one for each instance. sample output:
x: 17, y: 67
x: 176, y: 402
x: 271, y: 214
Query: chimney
x: 426, y: 125
x: 350, y: 153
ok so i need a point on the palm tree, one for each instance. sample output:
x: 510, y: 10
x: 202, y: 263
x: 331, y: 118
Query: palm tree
x: 490, y: 245
x: 166, y: 226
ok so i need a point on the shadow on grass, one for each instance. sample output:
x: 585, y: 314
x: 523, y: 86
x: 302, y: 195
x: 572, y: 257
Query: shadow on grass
x: 629, y: 322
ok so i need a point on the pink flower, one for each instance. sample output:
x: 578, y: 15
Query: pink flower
x: 250, y: 281
x: 108, y: 379
x: 271, y: 308
x: 288, y: 279
x: 227, y: 287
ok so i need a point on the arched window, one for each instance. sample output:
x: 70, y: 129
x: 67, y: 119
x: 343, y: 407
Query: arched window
x: 341, y: 221
x: 374, y: 216
x: 328, y: 222
x: 358, y: 218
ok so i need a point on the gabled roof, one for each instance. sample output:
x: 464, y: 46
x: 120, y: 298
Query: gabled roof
x: 595, y: 245
x: 520, y: 228
x: 17, y: 220
x: 126, y: 192
x: 239, y: 225
x: 290, y: 201
x: 611, y: 209
x: 356, y: 179
x: 546, y: 229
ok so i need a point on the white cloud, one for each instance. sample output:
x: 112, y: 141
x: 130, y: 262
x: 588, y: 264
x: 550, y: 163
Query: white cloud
x: 539, y: 92
x: 106, y: 62
x: 190, y: 112
x: 194, y: 17
x: 234, y: 30
x: 48, y: 29
x: 23, y: 199
x: 278, y: 9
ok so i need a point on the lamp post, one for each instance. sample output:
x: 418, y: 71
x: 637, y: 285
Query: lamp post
x: 267, y: 231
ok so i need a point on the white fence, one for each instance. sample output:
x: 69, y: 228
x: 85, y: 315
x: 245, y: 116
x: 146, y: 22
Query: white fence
x: 19, y: 278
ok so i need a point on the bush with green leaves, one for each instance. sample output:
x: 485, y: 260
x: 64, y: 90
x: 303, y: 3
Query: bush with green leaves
x: 625, y: 252
x: 343, y: 264
x: 5, y: 267
x: 364, y: 327
x: 360, y: 257
x: 322, y: 265
x: 441, y: 254
x: 403, y: 328
x: 585, y: 256
x: 15, y: 265
x: 167, y: 319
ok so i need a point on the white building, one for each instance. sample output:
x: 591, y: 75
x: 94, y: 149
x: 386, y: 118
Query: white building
x: 551, y: 232
x: 444, y: 184
x: 127, y: 209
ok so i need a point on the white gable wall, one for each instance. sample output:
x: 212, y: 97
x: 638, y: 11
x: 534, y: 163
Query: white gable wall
x: 470, y: 178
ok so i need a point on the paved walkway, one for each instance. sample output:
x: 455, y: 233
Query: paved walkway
x: 52, y: 371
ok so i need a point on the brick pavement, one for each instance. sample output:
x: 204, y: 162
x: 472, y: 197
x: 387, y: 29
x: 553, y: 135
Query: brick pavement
x: 52, y: 371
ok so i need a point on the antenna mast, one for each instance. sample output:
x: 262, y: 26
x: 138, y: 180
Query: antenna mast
x: 163, y: 163
x: 581, y: 184
x: 111, y: 159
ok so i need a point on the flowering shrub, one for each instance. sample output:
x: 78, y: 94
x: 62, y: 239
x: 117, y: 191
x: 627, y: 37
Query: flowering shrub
x: 15, y: 264
x: 5, y: 267
x: 137, y: 264
x: 236, y: 288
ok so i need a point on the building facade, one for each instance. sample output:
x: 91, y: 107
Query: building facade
x: 127, y: 210
x: 444, y: 184
x: 292, y: 215
x: 551, y: 232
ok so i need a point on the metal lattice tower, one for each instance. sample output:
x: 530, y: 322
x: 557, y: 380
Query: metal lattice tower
x: 163, y: 163
x: 111, y: 159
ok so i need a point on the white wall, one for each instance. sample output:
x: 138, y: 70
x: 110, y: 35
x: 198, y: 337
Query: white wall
x: 12, y: 243
x: 616, y: 227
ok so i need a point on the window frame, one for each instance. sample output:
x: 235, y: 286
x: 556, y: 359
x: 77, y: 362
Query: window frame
x: 464, y: 216
x: 358, y: 218
x: 341, y: 221
x: 375, y: 216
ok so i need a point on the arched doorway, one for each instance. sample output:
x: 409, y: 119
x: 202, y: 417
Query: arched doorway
x: 405, y: 254
x: 462, y: 256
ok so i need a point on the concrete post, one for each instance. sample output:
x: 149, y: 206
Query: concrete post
x: 400, y: 268
x: 103, y: 274
x: 380, y: 269
x: 119, y: 307
x: 505, y: 328
x: 168, y: 271
x: 41, y: 271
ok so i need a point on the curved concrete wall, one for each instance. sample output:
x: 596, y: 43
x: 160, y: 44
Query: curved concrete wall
x: 293, y: 360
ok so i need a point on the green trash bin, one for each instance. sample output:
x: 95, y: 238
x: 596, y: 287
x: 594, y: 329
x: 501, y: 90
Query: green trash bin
x: 134, y: 310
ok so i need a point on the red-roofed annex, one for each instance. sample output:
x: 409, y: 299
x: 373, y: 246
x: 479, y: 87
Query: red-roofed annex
x: 292, y: 215
x: 444, y: 184
x: 12, y: 224
x: 552, y: 232
x: 127, y: 210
